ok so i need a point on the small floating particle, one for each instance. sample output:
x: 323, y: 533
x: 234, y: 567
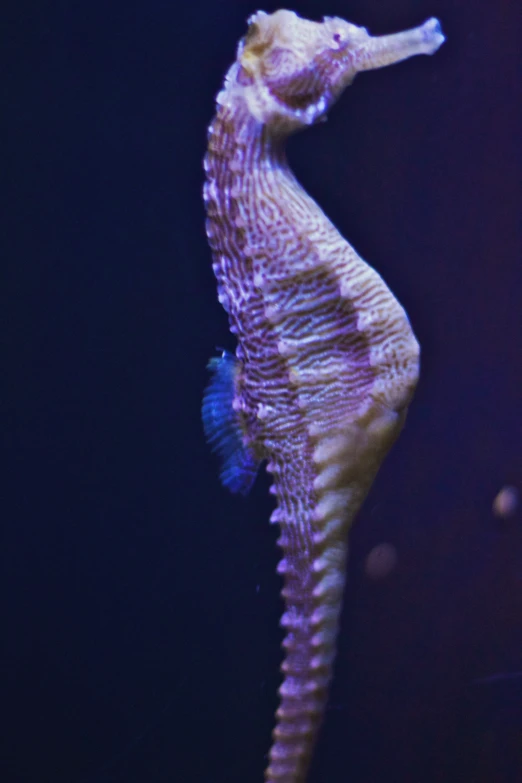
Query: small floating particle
x: 381, y: 561
x: 506, y: 502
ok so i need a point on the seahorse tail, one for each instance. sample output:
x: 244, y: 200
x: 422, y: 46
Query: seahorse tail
x: 311, y: 624
x: 314, y: 540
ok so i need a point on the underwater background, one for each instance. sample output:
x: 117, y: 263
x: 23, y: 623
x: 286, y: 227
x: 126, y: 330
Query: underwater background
x: 140, y: 602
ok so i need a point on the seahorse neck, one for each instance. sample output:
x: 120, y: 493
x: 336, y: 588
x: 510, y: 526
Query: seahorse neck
x: 240, y: 147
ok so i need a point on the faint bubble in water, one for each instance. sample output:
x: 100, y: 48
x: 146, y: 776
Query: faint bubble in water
x: 506, y: 502
x: 381, y: 561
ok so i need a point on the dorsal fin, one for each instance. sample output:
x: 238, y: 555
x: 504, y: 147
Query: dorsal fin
x: 223, y: 427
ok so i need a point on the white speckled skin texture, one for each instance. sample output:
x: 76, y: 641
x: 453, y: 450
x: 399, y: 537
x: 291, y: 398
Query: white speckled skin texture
x: 328, y: 361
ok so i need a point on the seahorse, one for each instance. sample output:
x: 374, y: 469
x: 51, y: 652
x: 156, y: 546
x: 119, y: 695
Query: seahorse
x: 326, y: 362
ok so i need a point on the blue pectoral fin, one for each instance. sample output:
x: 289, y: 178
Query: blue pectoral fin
x: 223, y: 428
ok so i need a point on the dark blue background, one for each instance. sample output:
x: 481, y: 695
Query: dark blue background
x: 140, y: 603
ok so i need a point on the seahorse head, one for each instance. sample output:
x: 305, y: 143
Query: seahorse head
x: 291, y: 70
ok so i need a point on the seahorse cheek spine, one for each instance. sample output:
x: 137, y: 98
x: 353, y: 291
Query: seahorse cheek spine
x: 326, y: 361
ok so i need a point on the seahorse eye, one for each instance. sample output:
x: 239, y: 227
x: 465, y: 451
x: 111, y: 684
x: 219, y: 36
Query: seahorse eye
x: 346, y: 34
x: 340, y: 38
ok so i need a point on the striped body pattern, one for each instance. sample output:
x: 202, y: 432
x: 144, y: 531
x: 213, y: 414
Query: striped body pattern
x: 326, y: 362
